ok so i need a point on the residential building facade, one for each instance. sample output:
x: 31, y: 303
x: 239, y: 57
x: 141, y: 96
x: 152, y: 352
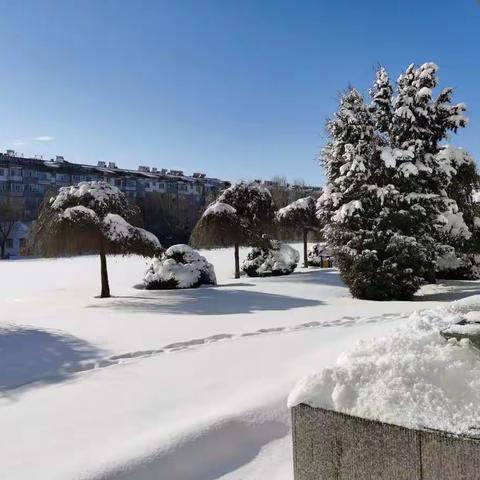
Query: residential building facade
x: 179, y: 198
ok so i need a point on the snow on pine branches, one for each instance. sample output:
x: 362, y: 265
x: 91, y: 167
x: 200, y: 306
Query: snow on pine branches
x: 388, y: 204
x: 90, y: 218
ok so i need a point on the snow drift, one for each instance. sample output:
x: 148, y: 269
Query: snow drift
x: 412, y: 377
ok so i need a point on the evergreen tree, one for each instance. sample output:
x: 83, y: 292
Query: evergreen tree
x: 389, y: 204
x: 412, y: 156
x: 358, y: 205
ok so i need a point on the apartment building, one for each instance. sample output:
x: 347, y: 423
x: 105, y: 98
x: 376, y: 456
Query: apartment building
x: 26, y: 181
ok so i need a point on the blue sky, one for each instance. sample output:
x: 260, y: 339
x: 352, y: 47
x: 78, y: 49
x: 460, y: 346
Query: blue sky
x: 236, y: 88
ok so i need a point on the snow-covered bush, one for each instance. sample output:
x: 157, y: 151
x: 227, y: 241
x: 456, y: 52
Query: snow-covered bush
x: 316, y: 253
x: 91, y: 217
x: 452, y: 265
x: 180, y: 267
x: 276, y: 259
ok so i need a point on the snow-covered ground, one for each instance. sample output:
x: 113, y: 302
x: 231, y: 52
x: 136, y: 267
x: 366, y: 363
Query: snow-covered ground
x: 171, y: 385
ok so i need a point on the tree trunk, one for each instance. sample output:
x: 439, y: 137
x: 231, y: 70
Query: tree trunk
x: 2, y: 250
x: 431, y: 277
x: 103, y: 271
x: 305, y: 255
x: 237, y: 262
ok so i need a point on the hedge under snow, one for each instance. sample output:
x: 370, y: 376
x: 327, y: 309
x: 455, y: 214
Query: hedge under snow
x: 179, y: 267
x: 279, y: 259
x: 412, y: 377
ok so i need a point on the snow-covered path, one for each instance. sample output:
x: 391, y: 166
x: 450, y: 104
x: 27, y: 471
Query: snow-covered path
x: 187, y: 385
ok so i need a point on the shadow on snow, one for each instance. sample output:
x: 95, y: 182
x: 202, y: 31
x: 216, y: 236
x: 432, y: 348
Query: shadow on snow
x: 29, y: 355
x: 206, y: 301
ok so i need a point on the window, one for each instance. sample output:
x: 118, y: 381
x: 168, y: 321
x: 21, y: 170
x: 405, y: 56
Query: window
x: 182, y: 187
x: 43, y: 175
x: 2, y: 172
x: 3, y: 186
x: 16, y: 187
x: 15, y: 172
x: 29, y: 173
x: 9, y: 243
x: 22, y: 242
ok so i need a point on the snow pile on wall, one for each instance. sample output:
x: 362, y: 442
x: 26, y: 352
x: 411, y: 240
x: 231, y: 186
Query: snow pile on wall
x: 179, y: 267
x: 316, y: 252
x: 280, y: 259
x: 413, y: 377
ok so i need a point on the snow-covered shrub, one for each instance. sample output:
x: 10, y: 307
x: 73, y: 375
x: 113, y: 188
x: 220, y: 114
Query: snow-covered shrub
x: 276, y: 259
x: 453, y: 265
x: 180, y: 267
x: 316, y: 253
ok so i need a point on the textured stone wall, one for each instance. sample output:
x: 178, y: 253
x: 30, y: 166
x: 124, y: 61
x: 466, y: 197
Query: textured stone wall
x: 333, y: 446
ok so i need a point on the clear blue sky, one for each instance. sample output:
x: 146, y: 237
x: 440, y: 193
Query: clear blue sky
x: 236, y: 88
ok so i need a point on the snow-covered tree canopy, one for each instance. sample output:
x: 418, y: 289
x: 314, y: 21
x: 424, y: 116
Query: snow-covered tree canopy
x: 253, y: 204
x: 91, y: 215
x: 390, y: 182
x: 299, y: 214
x: 219, y: 226
x: 240, y: 216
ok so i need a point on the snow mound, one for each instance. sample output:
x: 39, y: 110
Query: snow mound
x: 316, y: 252
x: 413, y: 377
x: 180, y: 267
x: 279, y: 259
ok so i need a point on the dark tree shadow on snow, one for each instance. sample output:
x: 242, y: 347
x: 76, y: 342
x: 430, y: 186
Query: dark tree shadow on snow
x: 205, y: 301
x: 320, y: 276
x: 33, y: 356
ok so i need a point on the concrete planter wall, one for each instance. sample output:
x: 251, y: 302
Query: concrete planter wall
x: 329, y: 445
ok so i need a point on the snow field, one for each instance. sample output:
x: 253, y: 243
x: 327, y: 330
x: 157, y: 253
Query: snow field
x: 179, y: 385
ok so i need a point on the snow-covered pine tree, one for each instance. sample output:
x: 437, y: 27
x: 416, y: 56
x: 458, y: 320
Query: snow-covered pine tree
x: 375, y: 260
x: 458, y: 260
x: 300, y: 215
x: 90, y: 218
x: 419, y: 124
x: 381, y: 106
